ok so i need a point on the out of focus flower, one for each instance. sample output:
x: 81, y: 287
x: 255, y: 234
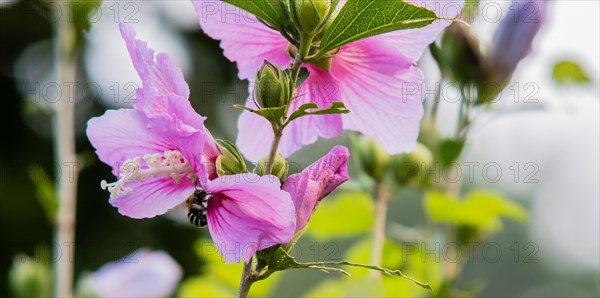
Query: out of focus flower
x: 29, y: 278
x: 512, y: 40
x: 143, y: 273
x: 375, y: 78
x: 410, y: 167
x: 159, y: 151
x: 315, y: 182
x: 373, y: 160
x: 461, y: 59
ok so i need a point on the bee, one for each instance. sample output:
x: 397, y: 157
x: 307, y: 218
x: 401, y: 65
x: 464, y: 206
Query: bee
x: 197, y: 205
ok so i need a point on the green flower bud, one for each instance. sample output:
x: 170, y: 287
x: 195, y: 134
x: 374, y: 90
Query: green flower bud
x: 280, y: 167
x: 230, y: 162
x: 29, y: 278
x: 372, y: 158
x: 310, y: 15
x: 408, y: 167
x: 273, y: 86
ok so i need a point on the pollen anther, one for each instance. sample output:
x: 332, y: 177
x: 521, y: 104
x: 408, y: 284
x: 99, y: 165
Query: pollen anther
x: 171, y: 164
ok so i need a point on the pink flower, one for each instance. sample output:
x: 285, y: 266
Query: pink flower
x: 376, y: 78
x: 159, y: 151
x: 317, y: 181
x: 143, y: 273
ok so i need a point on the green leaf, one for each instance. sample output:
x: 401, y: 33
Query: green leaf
x: 303, y: 110
x: 405, y: 256
x: 480, y: 209
x: 362, y: 250
x: 568, y: 72
x: 360, y: 19
x: 218, y: 279
x: 343, y: 207
x: 208, y: 286
x: 282, y: 261
x: 45, y: 191
x: 82, y: 10
x: 273, y: 115
x: 270, y: 11
x: 449, y: 151
x: 330, y: 288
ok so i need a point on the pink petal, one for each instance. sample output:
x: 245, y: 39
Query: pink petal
x: 153, y: 197
x: 255, y: 133
x: 383, y: 91
x: 177, y: 107
x: 187, y: 139
x: 254, y: 137
x: 248, y: 213
x: 126, y: 134
x: 412, y: 42
x: 164, y: 99
x: 321, y: 88
x: 209, y: 156
x: 119, y: 135
x: 243, y: 38
x: 159, y: 76
x: 317, y: 181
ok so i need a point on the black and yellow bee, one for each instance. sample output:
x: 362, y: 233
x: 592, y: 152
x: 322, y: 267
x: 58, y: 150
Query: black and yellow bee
x: 197, y: 205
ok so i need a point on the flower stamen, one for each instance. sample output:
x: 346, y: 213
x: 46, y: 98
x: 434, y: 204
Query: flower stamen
x: 171, y: 164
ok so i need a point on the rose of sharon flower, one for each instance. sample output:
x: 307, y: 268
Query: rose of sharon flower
x: 144, y: 273
x: 315, y: 182
x: 159, y: 151
x: 376, y: 78
x: 513, y: 38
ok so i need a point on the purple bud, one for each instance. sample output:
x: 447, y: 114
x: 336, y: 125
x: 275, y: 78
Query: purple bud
x: 512, y: 41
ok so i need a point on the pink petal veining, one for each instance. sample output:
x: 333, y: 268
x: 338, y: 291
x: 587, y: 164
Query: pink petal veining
x: 248, y: 213
x: 315, y: 182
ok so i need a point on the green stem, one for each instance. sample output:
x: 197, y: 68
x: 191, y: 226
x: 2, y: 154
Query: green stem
x: 247, y: 279
x: 273, y: 152
x: 250, y: 274
x: 296, y: 69
x: 382, y: 201
x: 436, y: 102
x: 65, y: 156
x: 306, y: 41
x: 463, y: 116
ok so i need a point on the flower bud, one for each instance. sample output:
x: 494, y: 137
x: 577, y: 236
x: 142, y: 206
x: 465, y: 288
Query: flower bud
x: 372, y: 157
x: 514, y: 37
x: 230, y: 162
x: 273, y: 86
x: 310, y: 15
x: 29, y: 278
x: 460, y: 56
x: 280, y: 167
x: 408, y: 167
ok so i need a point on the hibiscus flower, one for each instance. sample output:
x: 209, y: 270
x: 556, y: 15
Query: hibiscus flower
x: 376, y: 78
x: 160, y: 149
